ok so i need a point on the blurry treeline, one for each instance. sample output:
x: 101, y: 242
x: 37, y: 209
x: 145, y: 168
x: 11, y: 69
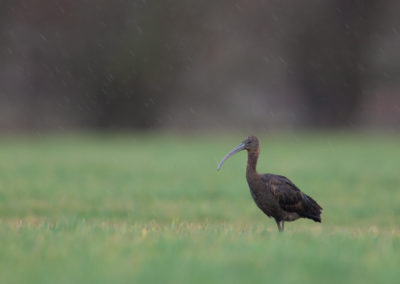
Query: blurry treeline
x: 199, y: 64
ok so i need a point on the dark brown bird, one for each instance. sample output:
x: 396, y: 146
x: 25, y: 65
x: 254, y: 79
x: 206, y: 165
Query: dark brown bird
x: 275, y: 195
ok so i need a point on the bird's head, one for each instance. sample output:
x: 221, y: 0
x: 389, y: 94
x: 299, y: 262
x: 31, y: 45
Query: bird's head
x: 250, y: 144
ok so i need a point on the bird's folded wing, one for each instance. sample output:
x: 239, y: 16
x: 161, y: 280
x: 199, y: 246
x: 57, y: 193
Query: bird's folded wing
x: 290, y: 198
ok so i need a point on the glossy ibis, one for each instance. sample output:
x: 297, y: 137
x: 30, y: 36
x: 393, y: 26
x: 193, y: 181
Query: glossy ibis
x: 275, y: 195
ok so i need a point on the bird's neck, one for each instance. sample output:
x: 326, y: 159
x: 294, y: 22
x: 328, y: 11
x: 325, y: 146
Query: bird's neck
x: 252, y: 157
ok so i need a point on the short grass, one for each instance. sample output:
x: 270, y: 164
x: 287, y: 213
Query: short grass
x: 151, y: 208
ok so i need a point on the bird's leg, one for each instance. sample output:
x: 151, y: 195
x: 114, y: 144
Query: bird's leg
x: 283, y: 225
x: 278, y: 223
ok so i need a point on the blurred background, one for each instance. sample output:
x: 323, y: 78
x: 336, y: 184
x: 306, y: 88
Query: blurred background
x: 211, y: 65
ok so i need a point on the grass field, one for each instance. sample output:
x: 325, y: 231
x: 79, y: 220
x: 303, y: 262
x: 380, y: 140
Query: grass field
x: 152, y: 208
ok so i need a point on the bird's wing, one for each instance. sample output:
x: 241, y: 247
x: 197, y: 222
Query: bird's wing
x: 288, y: 195
x: 291, y: 198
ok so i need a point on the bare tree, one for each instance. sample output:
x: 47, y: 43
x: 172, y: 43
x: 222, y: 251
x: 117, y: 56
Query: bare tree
x: 328, y: 59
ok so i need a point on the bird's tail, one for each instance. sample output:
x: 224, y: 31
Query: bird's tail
x: 312, y: 210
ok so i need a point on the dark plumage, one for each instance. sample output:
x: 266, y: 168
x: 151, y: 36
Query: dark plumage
x: 275, y: 195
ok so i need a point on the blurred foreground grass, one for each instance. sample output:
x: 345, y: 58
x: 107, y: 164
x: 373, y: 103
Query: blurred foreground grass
x: 152, y: 208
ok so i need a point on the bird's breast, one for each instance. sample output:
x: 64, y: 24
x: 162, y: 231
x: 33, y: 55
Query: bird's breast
x: 263, y: 199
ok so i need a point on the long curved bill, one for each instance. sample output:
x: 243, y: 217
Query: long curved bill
x: 234, y: 151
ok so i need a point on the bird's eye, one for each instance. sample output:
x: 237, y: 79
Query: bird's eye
x: 248, y: 142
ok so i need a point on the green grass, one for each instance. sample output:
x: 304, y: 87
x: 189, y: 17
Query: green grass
x: 151, y: 208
